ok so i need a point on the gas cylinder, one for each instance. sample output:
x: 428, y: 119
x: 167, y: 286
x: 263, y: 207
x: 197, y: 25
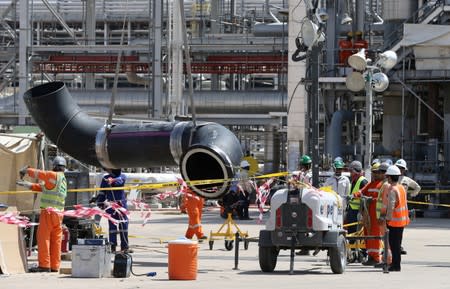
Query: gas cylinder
x: 65, y: 239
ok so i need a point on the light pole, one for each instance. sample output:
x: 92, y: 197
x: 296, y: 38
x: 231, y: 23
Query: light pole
x: 371, y: 78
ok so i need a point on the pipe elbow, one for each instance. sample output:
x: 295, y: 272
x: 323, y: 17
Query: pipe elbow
x: 208, y: 151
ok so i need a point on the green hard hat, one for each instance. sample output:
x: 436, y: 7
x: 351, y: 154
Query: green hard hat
x: 339, y: 164
x: 305, y: 159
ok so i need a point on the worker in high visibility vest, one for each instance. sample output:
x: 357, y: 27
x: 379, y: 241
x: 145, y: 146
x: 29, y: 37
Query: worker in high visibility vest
x: 49, y: 232
x: 374, y: 228
x: 194, y: 208
x: 411, y: 186
x: 395, y: 214
x: 358, y: 182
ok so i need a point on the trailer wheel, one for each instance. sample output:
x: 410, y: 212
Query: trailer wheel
x: 229, y: 245
x: 268, y: 258
x: 338, y: 256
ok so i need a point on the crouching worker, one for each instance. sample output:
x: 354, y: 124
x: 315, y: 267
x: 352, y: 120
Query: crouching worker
x: 49, y: 232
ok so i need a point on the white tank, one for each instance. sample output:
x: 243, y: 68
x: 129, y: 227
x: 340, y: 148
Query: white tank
x: 327, y: 208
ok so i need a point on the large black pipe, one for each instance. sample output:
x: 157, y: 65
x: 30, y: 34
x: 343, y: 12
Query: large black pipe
x: 207, y: 151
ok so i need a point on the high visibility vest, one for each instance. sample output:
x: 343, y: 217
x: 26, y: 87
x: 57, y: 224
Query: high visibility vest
x: 380, y: 204
x: 400, y: 216
x: 354, y: 203
x: 55, y: 197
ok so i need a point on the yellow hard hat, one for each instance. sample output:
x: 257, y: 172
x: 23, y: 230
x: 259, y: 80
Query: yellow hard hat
x: 350, y: 34
x: 375, y: 167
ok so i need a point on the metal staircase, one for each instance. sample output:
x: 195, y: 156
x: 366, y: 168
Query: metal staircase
x: 429, y: 13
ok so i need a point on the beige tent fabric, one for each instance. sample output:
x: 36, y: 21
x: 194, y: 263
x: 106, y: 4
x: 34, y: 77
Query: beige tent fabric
x: 12, y: 250
x: 16, y: 151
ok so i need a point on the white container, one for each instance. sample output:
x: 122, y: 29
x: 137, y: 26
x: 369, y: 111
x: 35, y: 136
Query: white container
x: 90, y: 261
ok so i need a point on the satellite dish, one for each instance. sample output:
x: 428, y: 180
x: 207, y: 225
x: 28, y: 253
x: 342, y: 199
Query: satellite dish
x: 355, y: 81
x: 379, y: 82
x: 387, y: 59
x: 358, y: 60
x: 309, y: 33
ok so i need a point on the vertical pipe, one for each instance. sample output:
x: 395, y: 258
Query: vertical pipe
x: 314, y: 126
x: 369, y: 112
x: 157, y: 112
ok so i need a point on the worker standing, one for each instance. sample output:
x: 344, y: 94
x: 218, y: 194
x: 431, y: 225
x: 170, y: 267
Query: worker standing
x: 358, y: 181
x: 395, y: 213
x: 49, y: 232
x: 411, y: 186
x: 338, y: 182
x: 304, y: 175
x: 345, y: 49
x: 194, y: 208
x: 115, y: 179
x: 245, y: 188
x: 374, y: 228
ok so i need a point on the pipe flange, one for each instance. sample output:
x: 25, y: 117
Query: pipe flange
x: 101, y: 147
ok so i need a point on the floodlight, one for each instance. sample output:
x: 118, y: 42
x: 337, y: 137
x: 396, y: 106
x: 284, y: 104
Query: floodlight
x: 387, y: 59
x: 379, y: 82
x: 355, y: 81
x: 311, y: 34
x: 322, y: 14
x: 358, y: 60
x: 346, y: 19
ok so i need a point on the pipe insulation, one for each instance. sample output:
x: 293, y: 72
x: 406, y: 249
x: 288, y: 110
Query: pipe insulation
x: 208, y: 151
x: 334, y: 145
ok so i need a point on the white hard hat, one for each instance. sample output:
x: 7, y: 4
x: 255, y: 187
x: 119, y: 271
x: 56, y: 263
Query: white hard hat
x: 393, y: 171
x: 245, y: 164
x: 401, y: 164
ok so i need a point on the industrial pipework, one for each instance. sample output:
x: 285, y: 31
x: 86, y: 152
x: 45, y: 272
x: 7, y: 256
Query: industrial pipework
x: 207, y: 151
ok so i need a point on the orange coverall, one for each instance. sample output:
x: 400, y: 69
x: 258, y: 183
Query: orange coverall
x: 373, y: 246
x: 49, y: 232
x: 194, y: 206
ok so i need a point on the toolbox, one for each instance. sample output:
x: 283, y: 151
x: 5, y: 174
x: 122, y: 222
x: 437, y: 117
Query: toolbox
x: 91, y: 261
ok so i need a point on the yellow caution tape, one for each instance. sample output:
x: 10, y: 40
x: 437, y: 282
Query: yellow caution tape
x: 329, y: 190
x: 434, y: 192
x: 350, y: 224
x: 152, y: 185
x: 425, y: 203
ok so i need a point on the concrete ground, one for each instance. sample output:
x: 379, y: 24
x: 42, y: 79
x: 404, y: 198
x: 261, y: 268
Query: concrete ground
x: 426, y: 265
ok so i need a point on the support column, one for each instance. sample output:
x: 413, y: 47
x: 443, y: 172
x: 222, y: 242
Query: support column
x: 90, y: 37
x: 157, y: 110
x: 271, y: 149
x: 24, y: 43
x: 296, y: 91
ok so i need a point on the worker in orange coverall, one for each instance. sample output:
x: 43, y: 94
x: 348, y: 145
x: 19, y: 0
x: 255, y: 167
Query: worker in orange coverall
x: 194, y: 207
x: 49, y: 232
x: 374, y: 228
